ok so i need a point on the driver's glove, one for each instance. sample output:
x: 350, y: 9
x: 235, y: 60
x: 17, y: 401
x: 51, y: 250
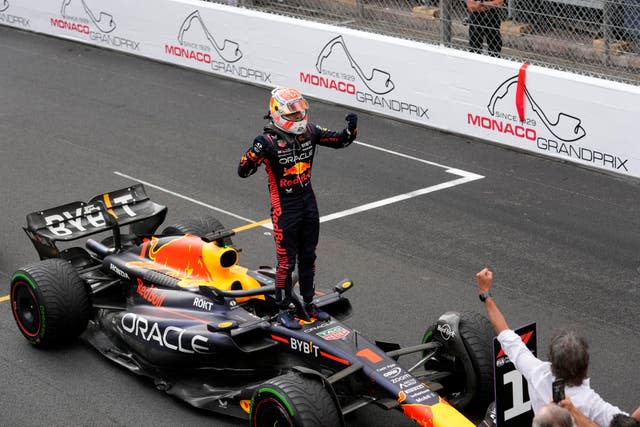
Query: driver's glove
x: 352, y: 127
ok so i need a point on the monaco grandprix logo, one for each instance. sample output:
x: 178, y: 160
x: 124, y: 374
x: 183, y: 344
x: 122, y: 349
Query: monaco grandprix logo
x: 80, y: 19
x: 9, y: 19
x: 197, y: 45
x: 335, y: 333
x: 556, y: 134
x: 564, y: 127
x: 336, y: 70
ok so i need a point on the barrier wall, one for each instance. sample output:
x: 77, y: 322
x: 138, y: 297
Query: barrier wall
x: 579, y: 119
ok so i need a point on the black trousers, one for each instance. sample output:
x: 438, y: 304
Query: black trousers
x: 296, y: 226
x: 485, y: 28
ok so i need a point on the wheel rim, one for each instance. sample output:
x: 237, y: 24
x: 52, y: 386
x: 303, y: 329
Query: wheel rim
x: 270, y: 412
x: 25, y: 309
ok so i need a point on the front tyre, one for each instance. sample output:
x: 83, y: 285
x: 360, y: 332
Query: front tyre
x: 295, y: 401
x: 477, y: 336
x: 49, y: 302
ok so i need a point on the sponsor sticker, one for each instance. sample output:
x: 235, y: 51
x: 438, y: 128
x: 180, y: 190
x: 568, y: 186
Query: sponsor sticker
x: 169, y: 337
x: 446, y: 331
x: 335, y: 333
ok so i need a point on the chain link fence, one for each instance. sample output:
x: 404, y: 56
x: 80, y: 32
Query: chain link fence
x: 592, y: 37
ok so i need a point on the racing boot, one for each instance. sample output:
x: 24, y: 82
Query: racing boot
x: 284, y: 317
x: 314, y: 311
x: 300, y: 309
x: 286, y: 320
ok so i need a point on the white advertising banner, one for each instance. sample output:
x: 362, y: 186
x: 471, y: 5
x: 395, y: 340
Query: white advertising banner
x: 574, y: 118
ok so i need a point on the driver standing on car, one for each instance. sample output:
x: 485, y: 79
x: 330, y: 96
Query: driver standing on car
x: 286, y: 148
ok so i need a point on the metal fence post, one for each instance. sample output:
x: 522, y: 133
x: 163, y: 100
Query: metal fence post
x: 360, y: 8
x: 607, y: 27
x: 445, y: 20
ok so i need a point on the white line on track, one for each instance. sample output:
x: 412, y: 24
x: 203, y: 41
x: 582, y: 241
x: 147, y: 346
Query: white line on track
x: 190, y: 199
x: 465, y: 177
x: 400, y: 197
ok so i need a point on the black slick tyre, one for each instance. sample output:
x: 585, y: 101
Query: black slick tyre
x: 49, y: 302
x: 295, y: 401
x: 477, y: 335
x: 199, y: 227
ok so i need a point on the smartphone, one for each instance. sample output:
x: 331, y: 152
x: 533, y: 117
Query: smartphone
x: 558, y: 390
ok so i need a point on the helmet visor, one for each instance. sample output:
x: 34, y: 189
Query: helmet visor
x: 295, y: 116
x: 295, y: 106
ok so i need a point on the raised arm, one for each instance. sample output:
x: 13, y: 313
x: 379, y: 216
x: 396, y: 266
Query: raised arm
x: 484, y: 279
x: 329, y: 138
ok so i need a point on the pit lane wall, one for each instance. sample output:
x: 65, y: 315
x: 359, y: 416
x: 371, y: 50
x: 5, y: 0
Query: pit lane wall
x: 574, y: 118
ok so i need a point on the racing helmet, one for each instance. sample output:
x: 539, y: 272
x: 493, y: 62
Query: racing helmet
x: 288, y: 110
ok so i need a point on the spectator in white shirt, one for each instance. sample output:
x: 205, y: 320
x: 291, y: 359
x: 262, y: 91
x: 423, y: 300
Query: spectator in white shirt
x: 569, y: 361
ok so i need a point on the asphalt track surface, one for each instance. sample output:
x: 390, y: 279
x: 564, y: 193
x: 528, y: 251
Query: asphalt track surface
x: 563, y: 241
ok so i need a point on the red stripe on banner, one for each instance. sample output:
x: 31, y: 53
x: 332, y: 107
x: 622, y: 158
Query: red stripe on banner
x: 522, y: 84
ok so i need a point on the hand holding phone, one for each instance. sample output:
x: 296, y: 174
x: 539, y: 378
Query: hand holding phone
x: 558, y: 390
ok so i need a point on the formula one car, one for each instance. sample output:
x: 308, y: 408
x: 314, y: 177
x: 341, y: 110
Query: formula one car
x: 175, y: 306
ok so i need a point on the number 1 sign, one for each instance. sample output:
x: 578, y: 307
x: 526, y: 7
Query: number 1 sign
x: 513, y: 407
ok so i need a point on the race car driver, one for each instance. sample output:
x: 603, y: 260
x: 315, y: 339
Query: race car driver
x: 286, y: 148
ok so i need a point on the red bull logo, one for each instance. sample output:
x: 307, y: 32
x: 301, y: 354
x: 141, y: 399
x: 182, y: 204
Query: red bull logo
x: 180, y: 257
x: 297, y: 169
x: 150, y: 293
x: 183, y: 254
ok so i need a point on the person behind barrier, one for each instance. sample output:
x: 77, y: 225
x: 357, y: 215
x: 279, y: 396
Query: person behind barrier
x: 484, y: 25
x: 580, y: 420
x: 552, y: 415
x: 569, y: 361
x: 287, y: 147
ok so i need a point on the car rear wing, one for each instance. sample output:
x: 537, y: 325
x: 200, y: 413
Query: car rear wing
x: 104, y: 212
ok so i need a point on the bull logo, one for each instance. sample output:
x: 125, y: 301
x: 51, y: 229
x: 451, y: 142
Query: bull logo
x: 297, y: 169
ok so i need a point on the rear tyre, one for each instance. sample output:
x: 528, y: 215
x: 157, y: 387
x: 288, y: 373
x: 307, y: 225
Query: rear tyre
x: 477, y: 335
x: 295, y: 401
x: 199, y: 227
x: 50, y: 302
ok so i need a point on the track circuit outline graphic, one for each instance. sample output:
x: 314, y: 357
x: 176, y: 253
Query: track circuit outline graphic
x: 566, y: 127
x: 229, y: 51
x: 104, y: 21
x: 378, y: 81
